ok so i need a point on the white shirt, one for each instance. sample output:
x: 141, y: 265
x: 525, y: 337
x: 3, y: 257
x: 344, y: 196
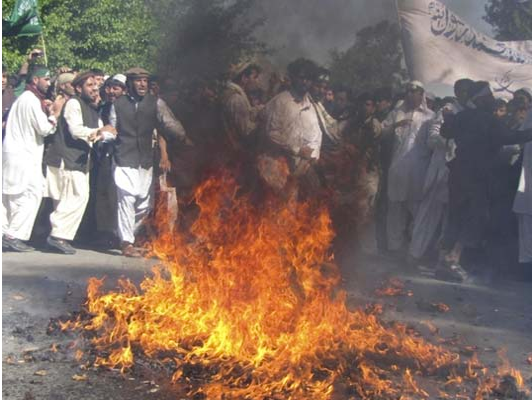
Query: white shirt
x: 411, y: 155
x: 23, y: 147
x: 74, y: 119
x: 293, y: 125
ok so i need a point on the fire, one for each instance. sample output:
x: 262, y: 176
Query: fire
x: 248, y: 302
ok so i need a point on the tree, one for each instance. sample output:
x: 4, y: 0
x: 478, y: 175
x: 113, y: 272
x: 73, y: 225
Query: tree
x: 90, y: 34
x: 374, y: 60
x: 511, y: 19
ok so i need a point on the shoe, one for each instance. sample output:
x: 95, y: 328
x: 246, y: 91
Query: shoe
x: 59, y: 244
x: 451, y: 272
x: 14, y: 244
x: 129, y: 251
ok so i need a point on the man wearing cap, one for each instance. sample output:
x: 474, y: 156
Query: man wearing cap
x: 105, y: 191
x: 68, y: 162
x: 135, y: 117
x: 479, y: 136
x: 115, y: 87
x: 63, y: 89
x: 239, y: 117
x: 433, y: 210
x: 31, y: 119
x: 409, y: 126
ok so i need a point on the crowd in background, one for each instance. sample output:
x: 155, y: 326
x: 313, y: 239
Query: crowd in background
x: 435, y: 181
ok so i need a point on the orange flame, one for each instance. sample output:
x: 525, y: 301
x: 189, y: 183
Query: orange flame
x: 249, y: 300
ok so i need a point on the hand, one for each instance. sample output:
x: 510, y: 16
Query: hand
x: 64, y: 69
x: 35, y: 53
x: 50, y: 108
x: 95, y: 136
x: 165, y: 164
x: 446, y: 111
x: 57, y: 106
x: 403, y: 123
x: 110, y: 129
x: 305, y: 152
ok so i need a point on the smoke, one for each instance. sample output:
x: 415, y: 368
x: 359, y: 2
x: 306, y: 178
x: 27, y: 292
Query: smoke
x: 312, y: 28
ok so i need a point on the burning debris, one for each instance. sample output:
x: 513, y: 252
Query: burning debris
x: 393, y: 287
x: 247, y: 306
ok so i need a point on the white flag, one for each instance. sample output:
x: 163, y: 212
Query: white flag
x: 440, y: 48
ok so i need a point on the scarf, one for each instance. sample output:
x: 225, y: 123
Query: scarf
x: 39, y: 95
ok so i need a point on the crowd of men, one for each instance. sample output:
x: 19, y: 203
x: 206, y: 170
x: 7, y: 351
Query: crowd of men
x: 432, y: 178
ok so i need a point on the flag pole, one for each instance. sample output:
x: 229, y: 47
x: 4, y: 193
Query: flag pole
x: 44, y: 49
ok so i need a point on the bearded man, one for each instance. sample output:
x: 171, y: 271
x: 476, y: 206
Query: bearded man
x: 409, y: 126
x: 30, y: 120
x: 68, y: 162
x: 136, y: 116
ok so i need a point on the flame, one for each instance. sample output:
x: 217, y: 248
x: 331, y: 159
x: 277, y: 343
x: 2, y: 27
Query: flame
x: 248, y: 303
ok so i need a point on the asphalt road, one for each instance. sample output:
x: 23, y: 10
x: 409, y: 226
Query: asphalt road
x: 39, y: 286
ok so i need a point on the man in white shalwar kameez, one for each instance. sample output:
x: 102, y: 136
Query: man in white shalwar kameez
x: 135, y: 116
x: 68, y: 161
x: 432, y: 212
x: 28, y: 124
x: 409, y: 123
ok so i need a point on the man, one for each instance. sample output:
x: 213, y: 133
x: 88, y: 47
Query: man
x: 115, y: 87
x: 366, y: 138
x: 64, y: 89
x: 526, y: 95
x: 341, y: 106
x: 99, y: 77
x: 292, y: 131
x: 432, y: 213
x: 383, y: 103
x: 135, y: 116
x: 31, y: 119
x: 410, y: 158
x: 239, y: 117
x: 479, y: 136
x: 331, y: 127
x: 68, y: 162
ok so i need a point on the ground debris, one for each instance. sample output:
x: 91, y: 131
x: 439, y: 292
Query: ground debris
x: 79, y: 377
x: 508, y: 388
x: 11, y: 359
x: 393, y: 287
x: 428, y: 306
x: 41, y: 372
x: 468, y: 350
x: 28, y: 396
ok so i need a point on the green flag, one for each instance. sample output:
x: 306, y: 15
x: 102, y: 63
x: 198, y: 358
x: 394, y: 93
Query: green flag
x: 23, y: 21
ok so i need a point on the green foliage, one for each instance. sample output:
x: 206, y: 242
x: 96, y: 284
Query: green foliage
x: 374, y: 60
x: 108, y: 34
x: 511, y: 19
x: 203, y: 38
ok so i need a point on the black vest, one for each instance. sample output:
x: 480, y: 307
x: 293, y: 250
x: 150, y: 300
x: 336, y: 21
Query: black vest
x: 135, y: 125
x: 64, y: 147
